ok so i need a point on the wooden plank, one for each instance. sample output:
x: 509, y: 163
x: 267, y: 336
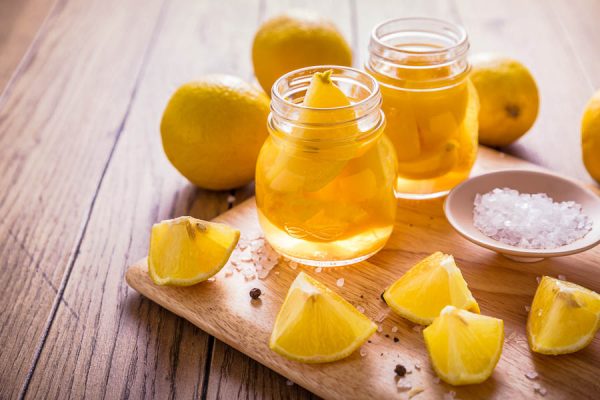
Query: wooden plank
x: 111, y: 342
x: 503, y: 289
x: 19, y: 23
x: 531, y: 31
x: 235, y: 375
x: 579, y: 24
x: 59, y: 120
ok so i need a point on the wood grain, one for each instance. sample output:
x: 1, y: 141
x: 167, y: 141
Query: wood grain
x: 59, y: 121
x: 20, y: 21
x: 502, y: 287
x: 111, y: 342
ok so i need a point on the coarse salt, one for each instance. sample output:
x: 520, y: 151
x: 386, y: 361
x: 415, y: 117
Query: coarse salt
x: 562, y: 277
x: 318, y: 269
x: 394, y: 329
x: 340, y: 282
x: 360, y: 309
x: 530, y: 221
x: 531, y: 375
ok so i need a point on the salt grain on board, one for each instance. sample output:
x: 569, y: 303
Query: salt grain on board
x: 319, y: 269
x: 340, y: 282
x: 531, y: 375
x: 562, y: 277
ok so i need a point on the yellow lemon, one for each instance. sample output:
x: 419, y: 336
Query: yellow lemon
x: 564, y: 317
x: 212, y: 131
x: 185, y: 250
x: 508, y: 97
x: 316, y: 325
x: 295, y: 40
x: 464, y: 347
x: 425, y: 289
x: 590, y: 136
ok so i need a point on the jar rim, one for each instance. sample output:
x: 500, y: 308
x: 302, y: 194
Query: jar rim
x: 461, y: 33
x: 374, y: 87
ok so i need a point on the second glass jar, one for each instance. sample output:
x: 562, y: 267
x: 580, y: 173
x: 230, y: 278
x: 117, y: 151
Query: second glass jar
x: 430, y: 104
x: 325, y: 176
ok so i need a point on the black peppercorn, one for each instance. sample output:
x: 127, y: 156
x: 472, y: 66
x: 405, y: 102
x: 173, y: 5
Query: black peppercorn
x: 400, y: 370
x: 255, y: 293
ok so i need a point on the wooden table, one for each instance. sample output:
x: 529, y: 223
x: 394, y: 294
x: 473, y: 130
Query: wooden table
x: 83, y: 175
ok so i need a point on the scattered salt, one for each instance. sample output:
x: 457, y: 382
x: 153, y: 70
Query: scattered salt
x: 417, y: 328
x: 379, y: 329
x: 403, y: 385
x: 562, y: 277
x: 231, y: 198
x: 340, y: 282
x: 394, y: 329
x: 531, y: 375
x: 289, y: 383
x: 211, y: 279
x: 360, y: 309
x: 363, y: 352
x: 538, y: 279
x: 417, y: 367
x: 531, y: 221
x: 318, y: 269
x: 293, y: 264
x: 527, y: 308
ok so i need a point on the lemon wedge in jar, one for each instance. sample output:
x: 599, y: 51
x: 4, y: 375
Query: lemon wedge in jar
x: 433, y: 164
x: 300, y: 164
x: 316, y: 325
x: 464, y: 347
x: 185, y: 250
x: 425, y: 289
x: 564, y: 317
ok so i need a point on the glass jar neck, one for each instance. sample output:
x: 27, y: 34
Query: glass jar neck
x: 292, y: 121
x: 418, y: 53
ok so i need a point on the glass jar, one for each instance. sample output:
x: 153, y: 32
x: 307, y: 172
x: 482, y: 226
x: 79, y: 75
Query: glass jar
x: 325, y: 176
x: 430, y: 104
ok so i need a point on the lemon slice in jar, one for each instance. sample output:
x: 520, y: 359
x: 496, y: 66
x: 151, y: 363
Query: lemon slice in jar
x: 425, y: 289
x: 464, y: 347
x: 316, y: 325
x: 185, y: 250
x: 300, y: 165
x: 432, y: 164
x: 564, y: 317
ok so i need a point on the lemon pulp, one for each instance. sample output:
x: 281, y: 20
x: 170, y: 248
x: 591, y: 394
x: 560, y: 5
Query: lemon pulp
x: 464, y: 347
x: 564, y: 317
x: 317, y: 325
x: 425, y: 289
x: 185, y: 250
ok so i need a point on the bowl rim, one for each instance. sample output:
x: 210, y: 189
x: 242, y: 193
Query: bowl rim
x: 504, y: 248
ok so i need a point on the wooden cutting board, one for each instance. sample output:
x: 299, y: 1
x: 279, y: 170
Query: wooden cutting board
x: 502, y: 287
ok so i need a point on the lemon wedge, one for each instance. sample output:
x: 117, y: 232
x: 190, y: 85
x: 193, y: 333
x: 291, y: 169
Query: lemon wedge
x: 186, y: 250
x: 432, y: 165
x: 316, y: 325
x: 464, y: 347
x: 564, y: 317
x: 425, y: 289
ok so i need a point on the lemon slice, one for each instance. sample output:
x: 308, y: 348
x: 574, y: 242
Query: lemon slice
x: 564, y: 317
x: 304, y: 167
x: 186, y: 250
x: 316, y: 325
x: 425, y: 289
x: 432, y: 165
x: 464, y: 347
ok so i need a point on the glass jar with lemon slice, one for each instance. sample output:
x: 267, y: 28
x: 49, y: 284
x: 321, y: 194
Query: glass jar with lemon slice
x: 430, y: 105
x: 325, y: 176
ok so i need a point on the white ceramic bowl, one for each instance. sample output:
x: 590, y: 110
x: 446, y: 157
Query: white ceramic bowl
x: 459, y: 209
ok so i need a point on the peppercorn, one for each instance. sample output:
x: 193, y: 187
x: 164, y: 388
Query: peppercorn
x: 396, y: 340
x: 255, y: 293
x: 400, y: 370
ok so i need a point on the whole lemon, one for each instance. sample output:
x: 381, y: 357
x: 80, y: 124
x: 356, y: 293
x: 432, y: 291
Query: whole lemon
x: 295, y: 40
x: 590, y: 136
x: 508, y: 97
x: 212, y: 130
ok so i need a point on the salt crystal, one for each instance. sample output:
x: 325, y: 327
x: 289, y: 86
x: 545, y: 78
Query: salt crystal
x: 394, y: 329
x: 360, y: 309
x: 293, y: 264
x: 532, y: 375
x: 319, y: 269
x: 532, y: 221
x: 228, y: 273
x: 230, y: 199
x: 363, y: 352
x: 289, y: 383
x: 340, y: 282
x: 211, y: 279
x: 276, y: 272
x: 382, y: 316
x: 562, y: 277
x: 403, y: 385
x: 527, y: 308
x: 417, y: 328
x: 538, y: 279
x: 417, y: 367
x: 379, y: 329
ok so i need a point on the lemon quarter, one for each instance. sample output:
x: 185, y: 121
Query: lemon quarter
x: 185, y: 250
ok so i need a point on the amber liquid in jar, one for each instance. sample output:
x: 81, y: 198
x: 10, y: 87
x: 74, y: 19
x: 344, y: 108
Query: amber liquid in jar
x: 325, y: 177
x: 431, y: 106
